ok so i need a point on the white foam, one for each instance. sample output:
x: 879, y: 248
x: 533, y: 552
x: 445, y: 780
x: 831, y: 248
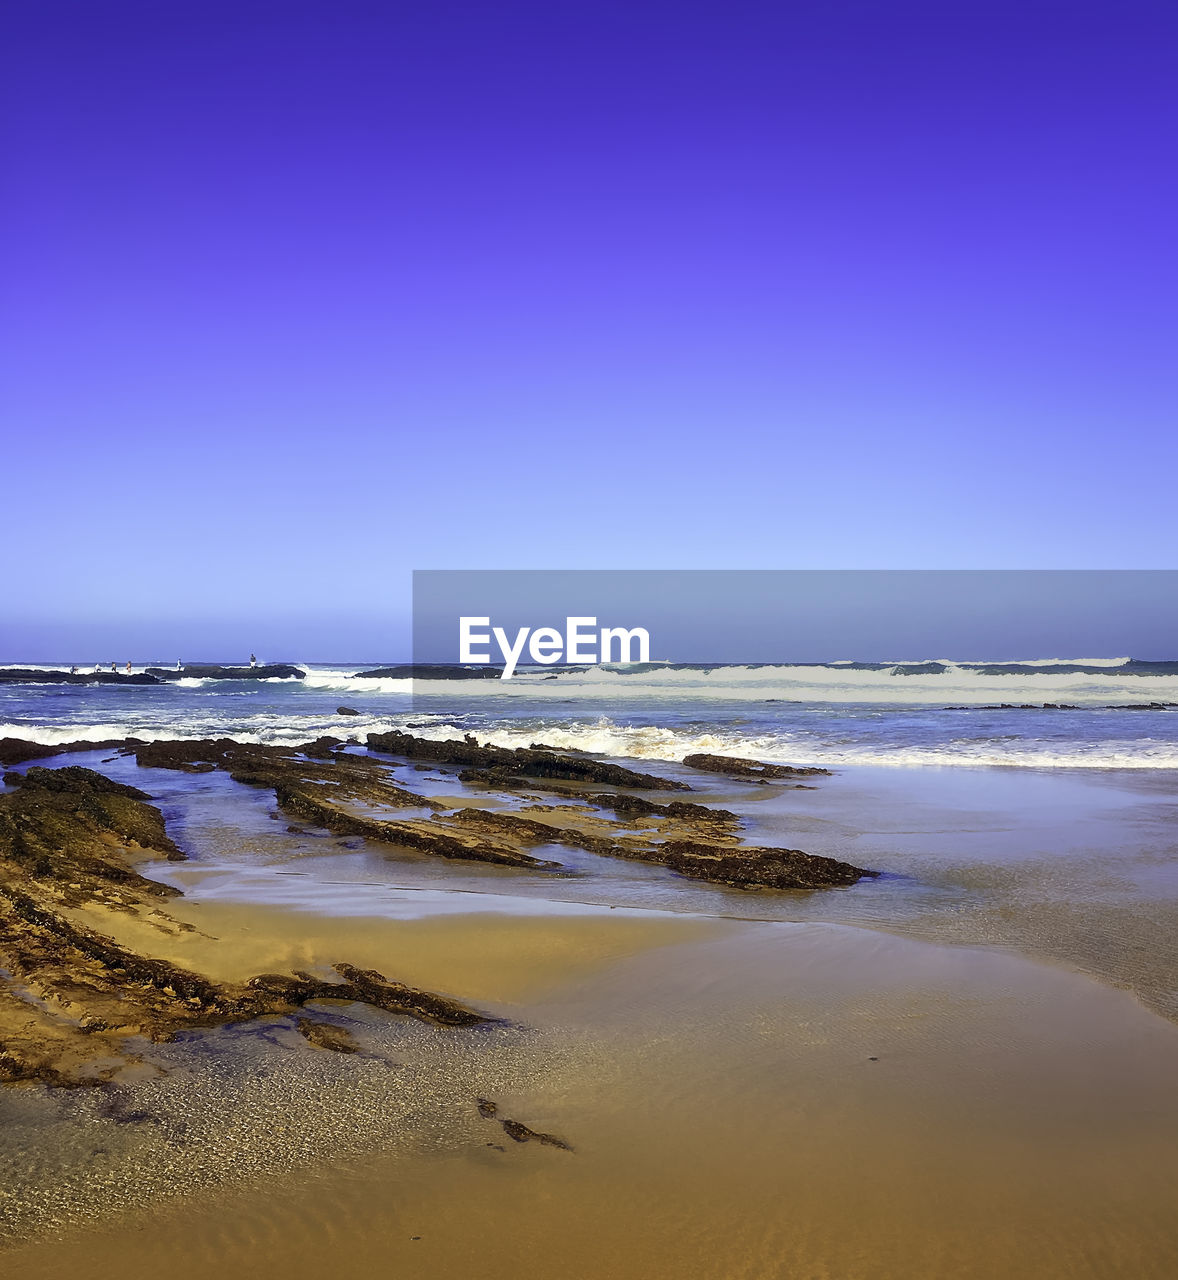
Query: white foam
x: 346, y: 682
x: 642, y: 742
x: 653, y: 742
x: 256, y: 729
x: 955, y: 685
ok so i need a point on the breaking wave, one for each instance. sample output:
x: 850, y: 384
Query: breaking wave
x: 672, y: 744
x: 1084, y: 683
x: 260, y: 729
x: 649, y: 742
x: 832, y: 714
x: 344, y: 682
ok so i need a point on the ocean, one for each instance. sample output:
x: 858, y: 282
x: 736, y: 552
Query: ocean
x: 1089, y: 713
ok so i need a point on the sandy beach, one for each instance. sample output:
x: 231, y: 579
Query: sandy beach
x: 589, y: 641
x: 920, y: 1075
x: 753, y: 1099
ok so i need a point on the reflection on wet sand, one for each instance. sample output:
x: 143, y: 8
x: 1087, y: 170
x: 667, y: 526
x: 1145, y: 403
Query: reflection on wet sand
x: 761, y: 1099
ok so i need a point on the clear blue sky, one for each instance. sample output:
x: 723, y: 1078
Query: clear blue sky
x: 299, y: 297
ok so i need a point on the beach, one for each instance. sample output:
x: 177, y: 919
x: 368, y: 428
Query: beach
x: 959, y: 1065
x: 400, y: 875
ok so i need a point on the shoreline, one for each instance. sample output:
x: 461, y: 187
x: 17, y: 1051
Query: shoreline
x: 1030, y: 820
x: 70, y: 839
x: 739, y: 1063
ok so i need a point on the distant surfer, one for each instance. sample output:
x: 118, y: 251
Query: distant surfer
x: 178, y: 666
x: 73, y: 670
x: 128, y: 668
x: 253, y: 659
x: 114, y: 666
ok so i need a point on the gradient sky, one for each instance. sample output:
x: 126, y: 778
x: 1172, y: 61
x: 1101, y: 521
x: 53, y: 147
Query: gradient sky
x: 300, y: 297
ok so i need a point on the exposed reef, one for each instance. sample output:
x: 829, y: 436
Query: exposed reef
x: 275, y: 671
x: 69, y: 830
x: 746, y: 867
x: 738, y: 767
x: 530, y: 762
x: 75, y: 1005
x: 18, y: 750
x: 324, y: 1035
x: 35, y: 675
x: 1064, y: 706
x: 701, y: 847
x: 338, y: 791
x: 330, y: 787
x: 692, y: 839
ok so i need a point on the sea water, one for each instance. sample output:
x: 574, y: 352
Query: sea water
x: 833, y: 714
x: 932, y: 713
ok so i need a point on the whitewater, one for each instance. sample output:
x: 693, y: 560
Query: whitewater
x: 1101, y: 712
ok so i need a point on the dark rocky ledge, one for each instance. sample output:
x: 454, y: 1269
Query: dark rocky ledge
x: 737, y: 767
x: 692, y: 839
x: 324, y: 1035
x: 34, y: 675
x: 1064, y: 706
x: 72, y: 839
x: 531, y: 762
x: 516, y: 1130
x: 344, y: 792
x: 700, y: 844
x: 18, y: 750
x: 275, y: 671
x: 71, y: 997
x: 336, y: 791
x: 323, y: 784
x: 746, y: 867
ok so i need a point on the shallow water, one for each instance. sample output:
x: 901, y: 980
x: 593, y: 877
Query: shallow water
x: 1076, y: 866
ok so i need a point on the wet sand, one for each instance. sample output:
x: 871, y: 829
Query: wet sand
x: 1077, y: 867
x: 502, y: 961
x: 770, y: 1097
x: 765, y: 1100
